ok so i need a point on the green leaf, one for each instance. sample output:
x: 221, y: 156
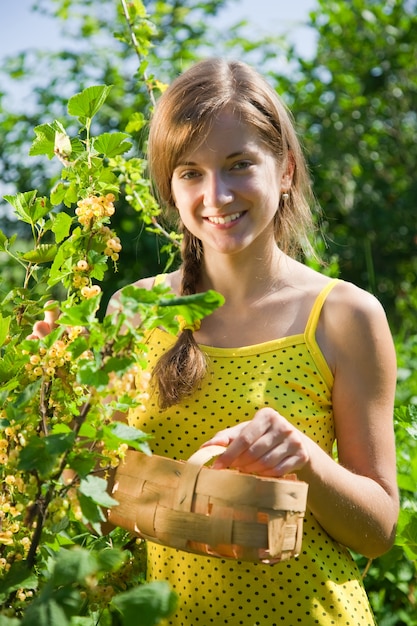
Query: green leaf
x: 85, y: 105
x: 44, y: 142
x: 45, y: 613
x: 44, y: 253
x: 118, y: 364
x: 3, y: 241
x: 61, y: 226
x: 73, y: 566
x: 153, y: 602
x: 128, y: 434
x: 81, y: 314
x: 23, y: 204
x: 95, y: 488
x: 42, y: 454
x: 110, y: 559
x: 4, y: 328
x: 9, y: 621
x: 92, y: 512
x: 58, y: 193
x: 136, y: 122
x: 91, y: 374
x: 16, y: 409
x: 18, y: 576
x: 407, y: 532
x: 82, y: 463
x: 112, y: 144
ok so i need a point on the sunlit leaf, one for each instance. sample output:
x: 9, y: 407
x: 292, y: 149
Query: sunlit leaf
x: 4, y: 328
x: 44, y: 253
x: 112, y: 144
x: 61, y: 226
x: 87, y: 103
x: 95, y: 488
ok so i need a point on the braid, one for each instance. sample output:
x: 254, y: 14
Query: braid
x: 182, y: 368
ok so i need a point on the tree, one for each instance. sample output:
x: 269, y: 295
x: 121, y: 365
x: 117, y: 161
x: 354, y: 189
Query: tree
x: 355, y: 102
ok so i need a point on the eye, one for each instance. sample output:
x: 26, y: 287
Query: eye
x: 242, y: 165
x: 188, y: 174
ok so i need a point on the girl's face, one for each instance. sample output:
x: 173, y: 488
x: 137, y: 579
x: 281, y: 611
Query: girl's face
x: 227, y: 190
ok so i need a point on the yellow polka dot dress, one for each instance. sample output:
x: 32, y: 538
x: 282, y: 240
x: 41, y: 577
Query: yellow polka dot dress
x: 322, y: 585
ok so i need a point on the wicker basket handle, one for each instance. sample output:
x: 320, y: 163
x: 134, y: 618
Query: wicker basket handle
x: 189, y: 475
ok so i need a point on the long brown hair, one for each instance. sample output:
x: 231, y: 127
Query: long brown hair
x: 181, y: 121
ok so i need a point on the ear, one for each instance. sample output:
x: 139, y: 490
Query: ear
x: 287, y: 176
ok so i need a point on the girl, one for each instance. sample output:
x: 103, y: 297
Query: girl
x: 291, y: 362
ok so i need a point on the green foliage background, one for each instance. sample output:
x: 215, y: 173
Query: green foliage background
x: 355, y: 106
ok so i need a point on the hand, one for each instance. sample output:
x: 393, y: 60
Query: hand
x: 44, y: 327
x: 268, y: 445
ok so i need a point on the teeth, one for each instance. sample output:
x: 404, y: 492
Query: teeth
x: 224, y: 220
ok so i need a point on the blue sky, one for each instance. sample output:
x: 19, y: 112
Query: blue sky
x: 21, y: 28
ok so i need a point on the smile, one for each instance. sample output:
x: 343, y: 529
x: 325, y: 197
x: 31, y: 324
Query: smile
x: 226, y: 219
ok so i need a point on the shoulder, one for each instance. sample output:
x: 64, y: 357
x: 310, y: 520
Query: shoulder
x: 353, y: 325
x: 348, y: 302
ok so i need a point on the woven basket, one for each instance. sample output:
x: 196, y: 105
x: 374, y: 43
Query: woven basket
x: 221, y: 513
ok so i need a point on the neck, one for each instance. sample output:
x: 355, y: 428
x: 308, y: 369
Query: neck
x: 243, y: 279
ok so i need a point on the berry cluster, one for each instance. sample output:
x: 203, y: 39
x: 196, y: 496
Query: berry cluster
x: 92, y: 213
x: 47, y: 362
x: 94, y: 208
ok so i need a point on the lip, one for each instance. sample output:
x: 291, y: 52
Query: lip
x: 224, y: 220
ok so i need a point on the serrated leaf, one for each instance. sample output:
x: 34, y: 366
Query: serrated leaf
x: 61, y: 226
x: 44, y: 253
x: 136, y: 122
x: 44, y: 141
x: 81, y: 314
x: 112, y: 144
x: 125, y: 433
x: 86, y: 104
x: 95, y: 488
x: 22, y: 204
x: 152, y: 602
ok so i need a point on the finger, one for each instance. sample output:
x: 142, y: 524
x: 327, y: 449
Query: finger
x: 256, y: 438
x: 40, y: 330
x: 226, y: 436
x: 291, y: 455
x: 52, y: 313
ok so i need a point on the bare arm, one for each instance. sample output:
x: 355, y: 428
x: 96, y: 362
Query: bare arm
x: 356, y: 499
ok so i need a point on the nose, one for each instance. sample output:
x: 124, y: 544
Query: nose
x: 217, y: 190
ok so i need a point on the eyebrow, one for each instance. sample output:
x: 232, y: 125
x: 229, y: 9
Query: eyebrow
x: 242, y: 153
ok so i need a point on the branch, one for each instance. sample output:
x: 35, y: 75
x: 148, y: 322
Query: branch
x: 136, y: 47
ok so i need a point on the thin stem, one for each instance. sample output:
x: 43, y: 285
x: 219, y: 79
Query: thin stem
x: 136, y: 47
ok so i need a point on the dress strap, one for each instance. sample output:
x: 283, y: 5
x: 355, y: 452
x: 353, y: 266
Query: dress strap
x: 310, y: 332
